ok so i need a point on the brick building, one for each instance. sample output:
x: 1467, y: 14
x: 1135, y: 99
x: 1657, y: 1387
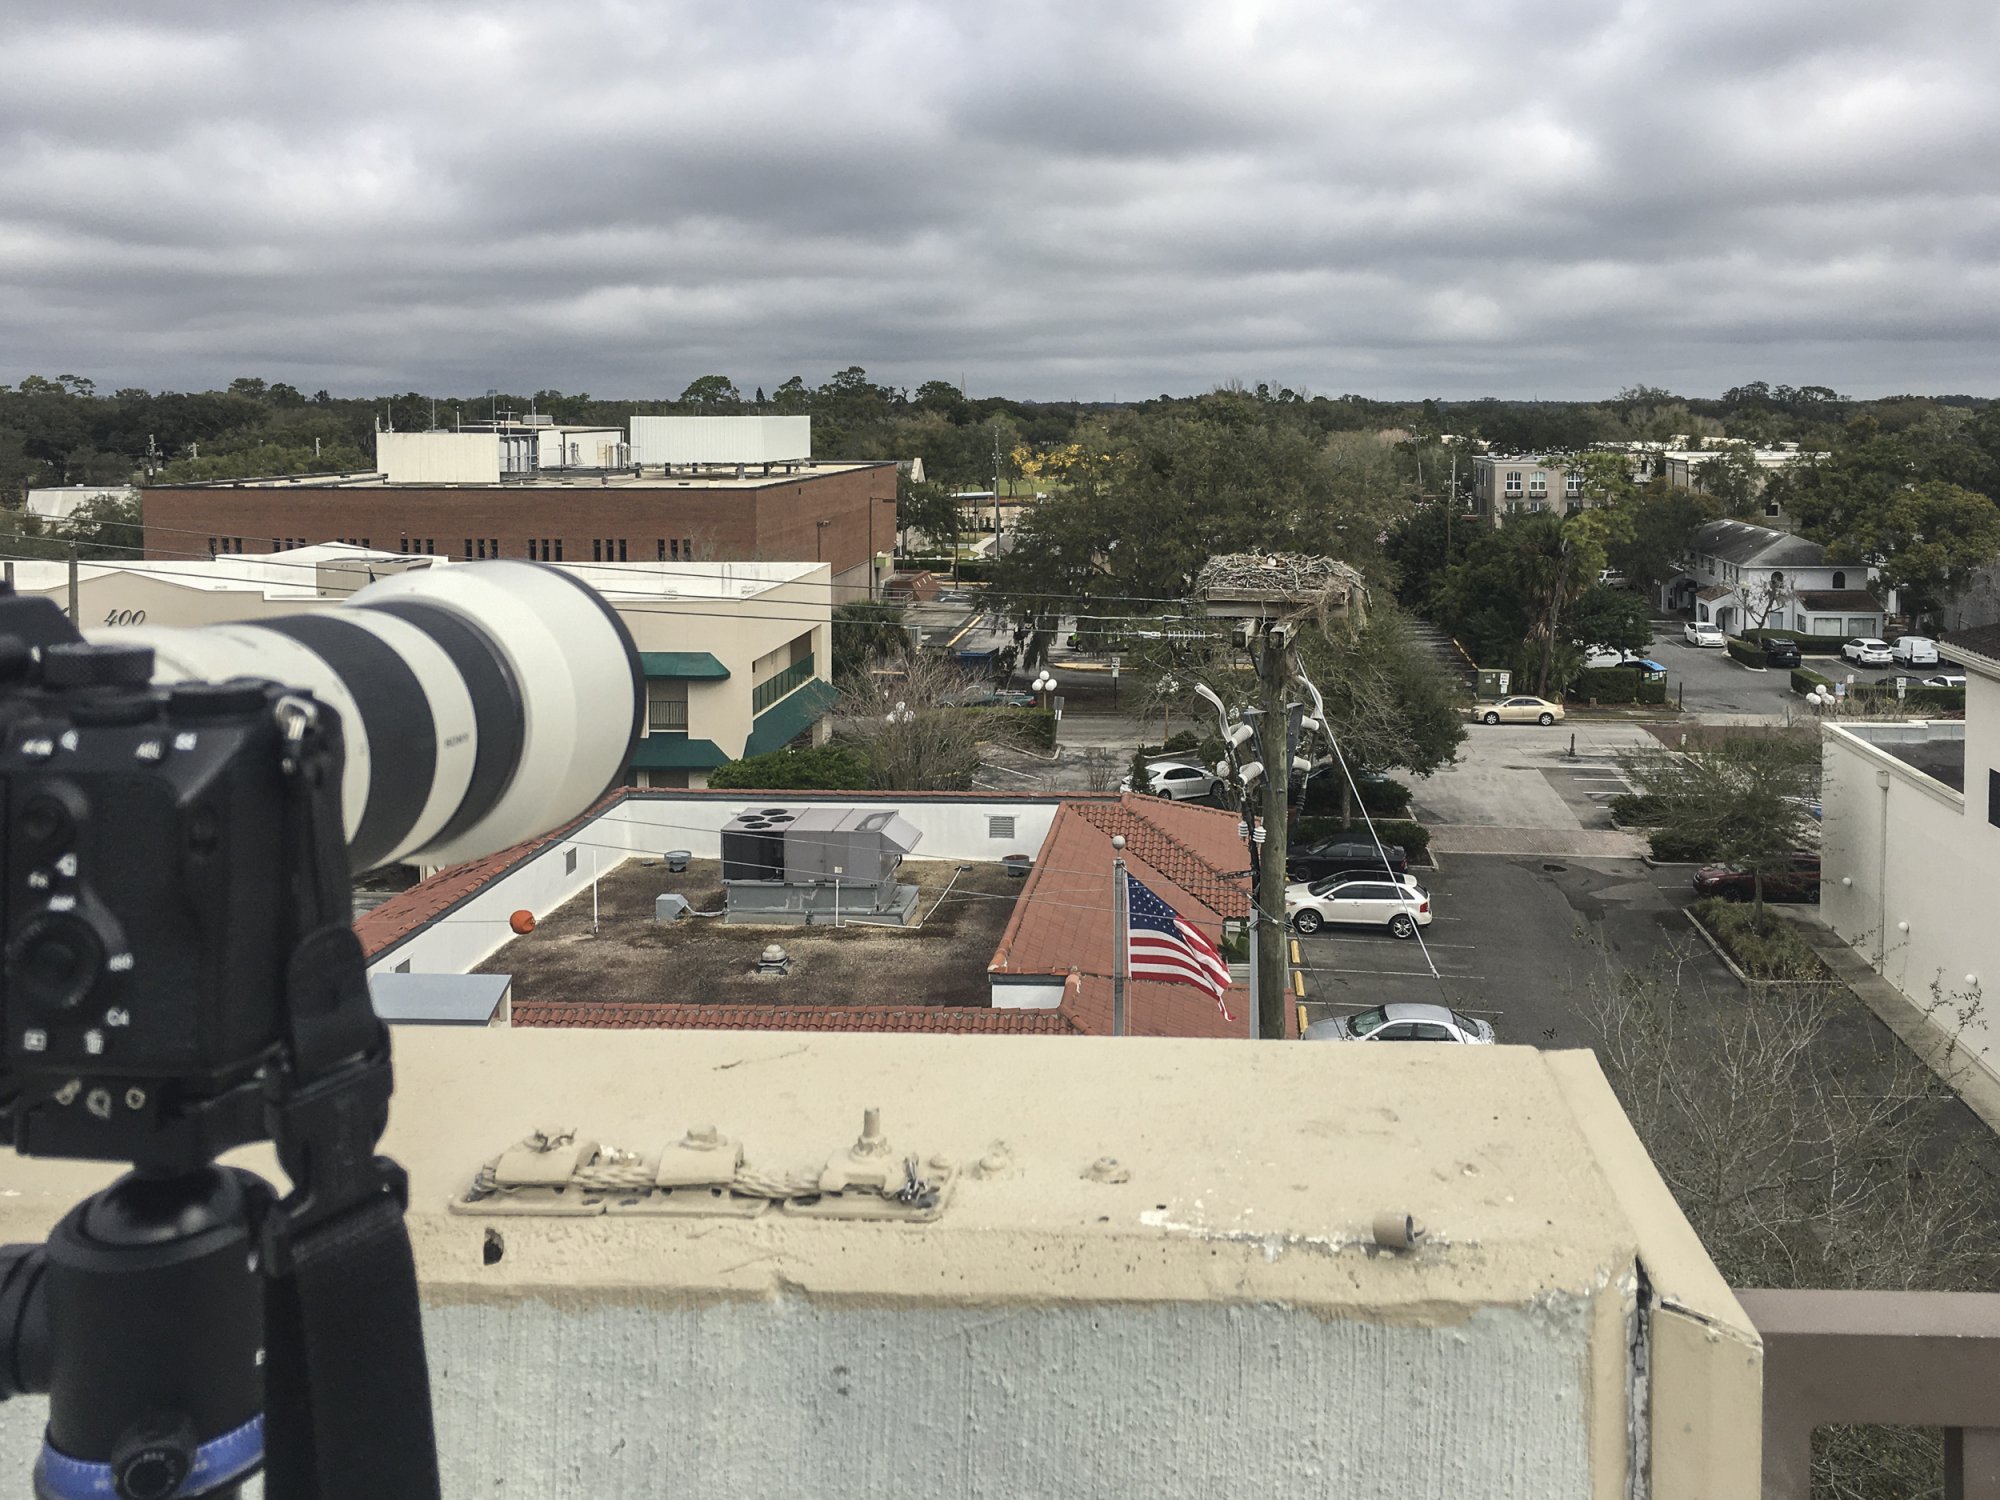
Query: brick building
x: 841, y: 514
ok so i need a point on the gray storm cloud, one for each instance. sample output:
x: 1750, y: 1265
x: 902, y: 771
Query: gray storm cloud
x: 1528, y: 198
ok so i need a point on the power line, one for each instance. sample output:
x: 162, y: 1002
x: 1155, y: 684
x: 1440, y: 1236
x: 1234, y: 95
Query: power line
x: 638, y: 565
x: 667, y: 608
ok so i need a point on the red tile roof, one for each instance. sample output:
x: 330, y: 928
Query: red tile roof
x: 1198, y: 848
x: 1063, y: 922
x: 423, y: 903
x: 427, y: 900
x: 673, y: 1017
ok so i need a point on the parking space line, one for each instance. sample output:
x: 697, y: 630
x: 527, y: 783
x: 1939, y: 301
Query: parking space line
x: 1399, y: 975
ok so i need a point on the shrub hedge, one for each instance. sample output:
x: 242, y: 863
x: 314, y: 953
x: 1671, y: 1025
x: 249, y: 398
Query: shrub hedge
x: 1618, y: 685
x: 1033, y: 727
x: 1383, y: 799
x: 823, y: 768
x: 1771, y: 949
x: 1941, y: 699
x: 1882, y: 696
x: 1634, y: 809
x: 1676, y: 849
x: 1748, y: 652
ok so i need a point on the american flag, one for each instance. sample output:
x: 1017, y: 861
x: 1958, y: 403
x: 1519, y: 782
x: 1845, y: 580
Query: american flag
x: 1163, y: 946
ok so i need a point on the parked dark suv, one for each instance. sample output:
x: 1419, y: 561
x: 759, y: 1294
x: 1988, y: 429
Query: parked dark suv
x: 1336, y: 856
x: 1782, y: 654
x: 1797, y: 882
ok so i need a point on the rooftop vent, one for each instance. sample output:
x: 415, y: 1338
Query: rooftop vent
x: 773, y: 963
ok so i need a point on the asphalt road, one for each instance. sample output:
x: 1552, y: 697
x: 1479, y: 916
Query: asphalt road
x: 1519, y: 940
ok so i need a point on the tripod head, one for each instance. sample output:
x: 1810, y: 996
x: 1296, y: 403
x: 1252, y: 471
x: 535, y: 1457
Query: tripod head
x: 183, y: 811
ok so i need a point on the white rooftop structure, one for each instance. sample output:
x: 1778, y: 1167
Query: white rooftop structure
x: 59, y: 502
x: 721, y: 440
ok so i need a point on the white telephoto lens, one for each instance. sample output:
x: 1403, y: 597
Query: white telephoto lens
x: 577, y: 678
x: 480, y: 705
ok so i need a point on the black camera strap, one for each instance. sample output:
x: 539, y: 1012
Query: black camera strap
x: 347, y: 1388
x: 347, y: 1395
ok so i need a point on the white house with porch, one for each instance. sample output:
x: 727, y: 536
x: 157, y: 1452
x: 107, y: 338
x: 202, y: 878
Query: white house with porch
x: 1744, y: 577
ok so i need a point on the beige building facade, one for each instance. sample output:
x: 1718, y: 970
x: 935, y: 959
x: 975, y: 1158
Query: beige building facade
x: 1163, y: 1268
x: 737, y: 655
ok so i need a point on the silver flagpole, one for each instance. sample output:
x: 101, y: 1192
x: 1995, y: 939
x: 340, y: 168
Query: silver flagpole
x: 1121, y: 938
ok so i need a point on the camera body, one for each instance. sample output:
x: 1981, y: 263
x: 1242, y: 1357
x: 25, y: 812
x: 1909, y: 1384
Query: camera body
x: 151, y: 902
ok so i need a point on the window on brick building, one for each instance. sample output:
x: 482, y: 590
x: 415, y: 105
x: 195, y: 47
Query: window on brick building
x: 621, y: 549
x: 468, y: 549
x: 687, y: 548
x: 558, y: 549
x: 663, y: 549
x: 597, y: 549
x: 494, y: 544
x: 677, y: 549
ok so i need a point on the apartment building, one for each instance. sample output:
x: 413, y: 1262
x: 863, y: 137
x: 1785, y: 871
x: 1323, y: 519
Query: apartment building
x: 1525, y: 484
x: 1741, y: 577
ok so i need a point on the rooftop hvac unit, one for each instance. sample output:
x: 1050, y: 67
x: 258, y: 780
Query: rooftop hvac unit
x: 817, y: 864
x: 753, y: 844
x: 853, y: 845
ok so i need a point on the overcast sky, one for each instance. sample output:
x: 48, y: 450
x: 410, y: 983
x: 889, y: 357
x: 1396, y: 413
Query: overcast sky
x: 1071, y: 199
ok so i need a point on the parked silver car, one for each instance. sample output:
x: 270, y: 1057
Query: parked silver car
x: 1403, y: 1022
x: 1177, y: 781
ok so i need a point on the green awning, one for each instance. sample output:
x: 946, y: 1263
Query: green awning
x: 790, y: 717
x: 700, y: 664
x: 676, y: 752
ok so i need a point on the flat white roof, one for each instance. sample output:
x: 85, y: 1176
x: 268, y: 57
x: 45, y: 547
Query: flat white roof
x: 295, y: 574
x: 690, y: 580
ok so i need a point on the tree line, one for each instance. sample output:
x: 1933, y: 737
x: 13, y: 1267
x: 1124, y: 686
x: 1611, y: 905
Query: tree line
x: 1911, y: 488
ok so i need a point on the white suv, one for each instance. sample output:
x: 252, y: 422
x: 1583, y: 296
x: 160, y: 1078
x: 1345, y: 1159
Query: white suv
x: 1866, y: 651
x: 1400, y: 905
x: 1914, y: 651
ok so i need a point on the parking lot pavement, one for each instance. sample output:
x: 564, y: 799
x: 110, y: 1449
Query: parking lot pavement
x: 1518, y: 941
x: 1522, y: 776
x: 1706, y: 680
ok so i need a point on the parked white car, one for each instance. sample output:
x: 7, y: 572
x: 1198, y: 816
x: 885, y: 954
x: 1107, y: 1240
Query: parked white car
x: 1178, y: 781
x: 1403, y: 1021
x: 1699, y: 634
x: 1400, y: 905
x: 1914, y: 651
x: 1604, y: 656
x: 1866, y: 651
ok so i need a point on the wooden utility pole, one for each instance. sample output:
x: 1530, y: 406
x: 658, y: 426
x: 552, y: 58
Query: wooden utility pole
x: 1274, y: 992
x: 72, y: 586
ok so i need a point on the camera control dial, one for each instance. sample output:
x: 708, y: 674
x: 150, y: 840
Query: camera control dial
x: 54, y: 963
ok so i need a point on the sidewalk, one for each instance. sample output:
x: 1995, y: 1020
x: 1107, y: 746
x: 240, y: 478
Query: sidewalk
x: 1959, y: 1072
